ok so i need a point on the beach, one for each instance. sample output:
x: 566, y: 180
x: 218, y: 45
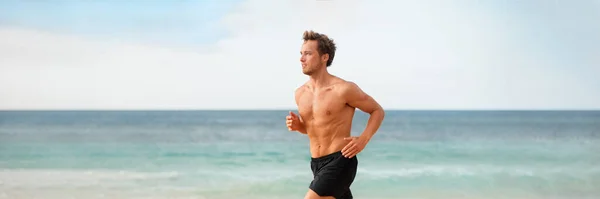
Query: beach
x: 251, y: 154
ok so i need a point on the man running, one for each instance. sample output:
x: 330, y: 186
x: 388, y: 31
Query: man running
x: 326, y: 106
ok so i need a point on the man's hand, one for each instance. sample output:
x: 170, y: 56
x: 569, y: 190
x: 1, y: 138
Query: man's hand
x: 293, y: 123
x: 355, y: 146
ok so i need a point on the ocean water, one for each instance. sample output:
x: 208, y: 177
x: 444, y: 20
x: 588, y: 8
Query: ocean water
x: 250, y: 154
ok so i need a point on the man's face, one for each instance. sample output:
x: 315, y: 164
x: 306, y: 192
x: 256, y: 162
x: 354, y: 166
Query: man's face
x: 310, y: 59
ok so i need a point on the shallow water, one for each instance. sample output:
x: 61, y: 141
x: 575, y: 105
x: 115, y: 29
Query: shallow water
x: 250, y: 154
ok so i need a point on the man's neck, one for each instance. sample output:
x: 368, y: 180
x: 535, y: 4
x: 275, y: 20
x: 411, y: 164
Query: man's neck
x: 320, y: 79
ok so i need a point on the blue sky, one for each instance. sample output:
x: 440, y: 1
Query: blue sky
x: 242, y: 54
x: 565, y: 32
x: 557, y: 27
x: 190, y: 23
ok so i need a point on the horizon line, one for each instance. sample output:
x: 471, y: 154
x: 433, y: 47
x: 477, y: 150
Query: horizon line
x: 291, y: 109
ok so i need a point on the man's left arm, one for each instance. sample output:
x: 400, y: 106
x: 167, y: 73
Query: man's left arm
x: 357, y: 98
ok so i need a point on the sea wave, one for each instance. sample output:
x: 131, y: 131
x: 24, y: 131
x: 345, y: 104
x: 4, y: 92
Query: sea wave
x: 59, y: 178
x: 462, y: 170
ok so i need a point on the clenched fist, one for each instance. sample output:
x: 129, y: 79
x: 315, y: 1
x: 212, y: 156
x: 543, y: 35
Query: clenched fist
x: 293, y: 123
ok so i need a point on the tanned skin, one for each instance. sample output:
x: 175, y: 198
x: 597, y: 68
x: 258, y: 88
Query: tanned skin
x: 326, y: 106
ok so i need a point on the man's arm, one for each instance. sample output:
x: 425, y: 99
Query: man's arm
x: 355, y: 97
x: 302, y: 129
x: 297, y: 94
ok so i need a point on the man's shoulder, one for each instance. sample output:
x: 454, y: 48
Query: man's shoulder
x: 345, y: 86
x: 300, y: 89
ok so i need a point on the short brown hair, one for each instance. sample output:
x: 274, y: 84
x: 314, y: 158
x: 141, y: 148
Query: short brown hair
x: 324, y: 43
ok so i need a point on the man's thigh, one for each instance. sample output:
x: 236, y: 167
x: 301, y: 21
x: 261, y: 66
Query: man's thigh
x: 313, y: 195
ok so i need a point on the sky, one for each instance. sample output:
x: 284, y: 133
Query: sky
x: 244, y: 54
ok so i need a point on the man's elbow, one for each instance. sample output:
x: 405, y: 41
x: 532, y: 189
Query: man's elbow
x: 382, y: 112
x: 378, y: 112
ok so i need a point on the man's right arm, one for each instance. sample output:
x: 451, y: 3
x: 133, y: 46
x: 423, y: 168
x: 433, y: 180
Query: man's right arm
x: 302, y: 128
x: 297, y: 95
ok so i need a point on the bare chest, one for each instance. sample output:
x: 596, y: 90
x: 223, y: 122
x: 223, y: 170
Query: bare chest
x: 321, y: 105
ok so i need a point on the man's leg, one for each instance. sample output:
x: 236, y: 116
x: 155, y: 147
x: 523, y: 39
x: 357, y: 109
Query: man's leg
x: 313, y: 195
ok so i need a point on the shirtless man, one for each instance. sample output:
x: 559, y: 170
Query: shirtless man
x: 326, y: 106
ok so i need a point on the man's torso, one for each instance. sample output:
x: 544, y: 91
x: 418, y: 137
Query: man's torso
x: 326, y: 115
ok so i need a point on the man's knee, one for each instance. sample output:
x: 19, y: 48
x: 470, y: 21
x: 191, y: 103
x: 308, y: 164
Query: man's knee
x: 313, y: 195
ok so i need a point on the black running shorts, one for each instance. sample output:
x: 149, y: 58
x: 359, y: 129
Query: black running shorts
x: 333, y: 175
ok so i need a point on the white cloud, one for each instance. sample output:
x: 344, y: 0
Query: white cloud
x: 407, y: 54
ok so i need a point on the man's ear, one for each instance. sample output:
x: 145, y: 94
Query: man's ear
x: 325, y: 57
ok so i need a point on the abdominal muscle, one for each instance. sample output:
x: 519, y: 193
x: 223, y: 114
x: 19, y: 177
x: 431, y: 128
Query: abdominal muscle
x: 328, y: 137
